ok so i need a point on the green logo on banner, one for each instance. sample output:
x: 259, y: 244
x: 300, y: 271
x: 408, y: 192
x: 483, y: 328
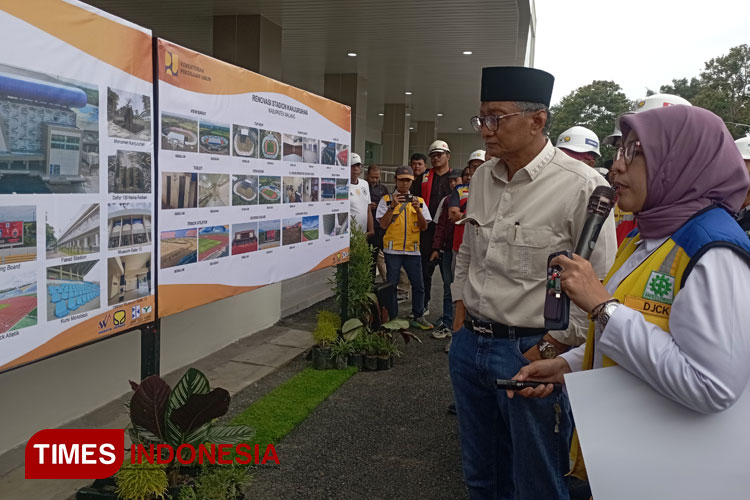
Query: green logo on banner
x: 660, y: 287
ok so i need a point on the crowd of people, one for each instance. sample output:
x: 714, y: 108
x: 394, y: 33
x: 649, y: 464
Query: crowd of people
x: 659, y: 296
x: 413, y: 229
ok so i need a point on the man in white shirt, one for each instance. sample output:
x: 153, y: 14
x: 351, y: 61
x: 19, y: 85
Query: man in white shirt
x: 359, y: 198
x: 520, y: 209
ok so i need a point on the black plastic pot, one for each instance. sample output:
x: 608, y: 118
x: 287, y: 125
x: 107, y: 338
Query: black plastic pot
x: 357, y: 360
x: 384, y: 363
x: 340, y: 362
x: 321, y: 358
x: 371, y: 363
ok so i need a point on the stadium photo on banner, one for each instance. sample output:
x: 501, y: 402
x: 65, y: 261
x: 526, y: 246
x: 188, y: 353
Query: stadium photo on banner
x: 244, y: 190
x: 214, y: 139
x: 179, y: 133
x: 73, y: 289
x: 128, y: 225
x: 244, y: 238
x: 178, y: 248
x: 18, y: 299
x: 53, y: 143
x: 244, y: 141
x: 74, y: 231
x: 17, y: 234
x: 128, y: 277
x: 179, y: 190
x: 213, y: 242
x: 128, y: 115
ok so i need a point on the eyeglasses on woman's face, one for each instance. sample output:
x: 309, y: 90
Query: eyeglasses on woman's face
x: 492, y: 122
x: 628, y: 151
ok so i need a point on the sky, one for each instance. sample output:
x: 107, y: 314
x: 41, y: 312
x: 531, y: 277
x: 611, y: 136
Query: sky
x: 639, y: 44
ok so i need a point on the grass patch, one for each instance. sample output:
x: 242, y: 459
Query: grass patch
x: 281, y: 410
x: 3, y: 306
x: 310, y: 234
x: 206, y: 244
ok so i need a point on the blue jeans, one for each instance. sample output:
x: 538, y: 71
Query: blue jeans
x: 446, y: 271
x: 511, y: 448
x: 413, y: 266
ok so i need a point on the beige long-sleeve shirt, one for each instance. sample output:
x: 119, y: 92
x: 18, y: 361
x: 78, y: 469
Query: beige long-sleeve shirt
x: 513, y: 226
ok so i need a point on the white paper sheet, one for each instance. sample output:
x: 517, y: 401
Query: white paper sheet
x: 639, y: 445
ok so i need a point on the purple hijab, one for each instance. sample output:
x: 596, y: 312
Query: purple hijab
x: 691, y: 163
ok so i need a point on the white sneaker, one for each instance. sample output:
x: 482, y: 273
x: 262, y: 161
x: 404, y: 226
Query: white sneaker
x: 426, y: 312
x: 442, y: 333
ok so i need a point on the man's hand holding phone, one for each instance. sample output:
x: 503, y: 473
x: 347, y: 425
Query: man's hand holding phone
x: 551, y: 371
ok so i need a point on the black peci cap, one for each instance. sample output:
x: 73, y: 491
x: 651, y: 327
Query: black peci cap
x: 516, y: 83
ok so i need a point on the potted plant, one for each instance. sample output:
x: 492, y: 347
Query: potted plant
x: 357, y: 356
x: 371, y: 353
x: 160, y: 415
x: 325, y: 334
x: 340, y: 351
x: 218, y: 483
x: 141, y: 481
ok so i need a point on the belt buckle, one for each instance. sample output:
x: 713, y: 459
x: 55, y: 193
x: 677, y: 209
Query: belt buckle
x: 481, y: 329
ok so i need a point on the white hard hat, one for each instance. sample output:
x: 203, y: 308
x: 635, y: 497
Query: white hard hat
x: 579, y: 139
x: 439, y: 146
x: 743, y: 144
x: 355, y: 159
x: 603, y: 171
x: 611, y: 139
x: 477, y: 155
x: 659, y: 101
x: 651, y: 102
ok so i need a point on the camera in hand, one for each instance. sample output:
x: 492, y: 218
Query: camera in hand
x: 408, y: 197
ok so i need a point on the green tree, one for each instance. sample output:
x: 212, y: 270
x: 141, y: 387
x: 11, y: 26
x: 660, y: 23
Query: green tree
x: 725, y: 89
x: 594, y: 106
x: 683, y: 88
x: 722, y: 87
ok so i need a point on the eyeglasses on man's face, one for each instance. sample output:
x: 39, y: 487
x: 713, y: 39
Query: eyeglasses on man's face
x: 492, y: 122
x: 628, y: 151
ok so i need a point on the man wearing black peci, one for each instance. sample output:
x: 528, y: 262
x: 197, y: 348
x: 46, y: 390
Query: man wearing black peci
x: 521, y: 208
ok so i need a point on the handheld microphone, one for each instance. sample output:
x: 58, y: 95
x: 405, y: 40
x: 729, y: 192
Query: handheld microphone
x: 557, y: 302
x: 600, y: 204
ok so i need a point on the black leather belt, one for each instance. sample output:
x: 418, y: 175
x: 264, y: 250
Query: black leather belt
x: 499, y: 330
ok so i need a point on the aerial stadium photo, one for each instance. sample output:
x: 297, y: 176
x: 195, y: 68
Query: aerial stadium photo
x: 179, y: 133
x: 214, y: 138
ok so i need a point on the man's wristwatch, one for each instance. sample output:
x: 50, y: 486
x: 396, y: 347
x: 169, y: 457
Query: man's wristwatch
x: 547, y: 350
x: 603, y: 312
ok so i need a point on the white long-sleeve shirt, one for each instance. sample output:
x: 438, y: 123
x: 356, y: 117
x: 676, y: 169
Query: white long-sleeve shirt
x: 704, y: 361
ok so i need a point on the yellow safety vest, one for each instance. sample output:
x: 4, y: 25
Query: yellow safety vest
x: 403, y: 232
x: 653, y: 285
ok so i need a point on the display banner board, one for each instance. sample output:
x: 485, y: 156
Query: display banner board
x: 76, y: 198
x: 253, y: 180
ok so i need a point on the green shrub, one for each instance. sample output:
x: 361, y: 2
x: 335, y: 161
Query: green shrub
x: 361, y: 280
x: 143, y: 481
x: 327, y: 330
x: 218, y: 483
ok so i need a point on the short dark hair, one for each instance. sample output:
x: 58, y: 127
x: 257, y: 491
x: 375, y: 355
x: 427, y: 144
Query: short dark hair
x: 372, y: 166
x: 466, y: 169
x: 536, y: 106
x: 417, y: 157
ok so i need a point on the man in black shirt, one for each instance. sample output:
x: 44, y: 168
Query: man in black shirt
x: 418, y: 163
x: 434, y: 186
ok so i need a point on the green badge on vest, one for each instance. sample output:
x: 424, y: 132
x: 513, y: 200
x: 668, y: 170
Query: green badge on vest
x: 660, y: 287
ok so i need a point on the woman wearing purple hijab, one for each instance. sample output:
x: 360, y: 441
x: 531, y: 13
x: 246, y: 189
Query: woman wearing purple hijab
x: 673, y: 308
